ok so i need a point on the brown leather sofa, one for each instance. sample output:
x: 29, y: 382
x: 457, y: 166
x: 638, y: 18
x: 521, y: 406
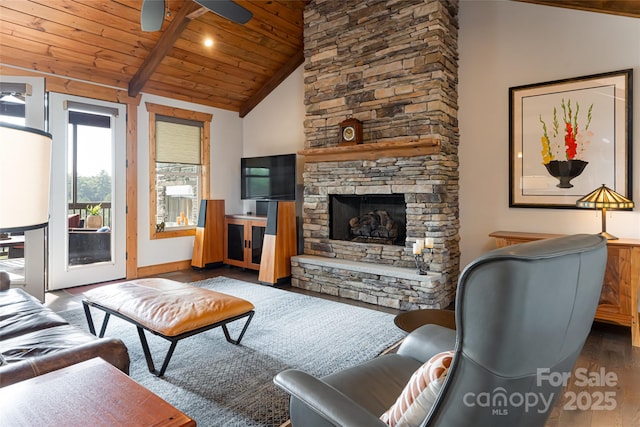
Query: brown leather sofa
x: 34, y: 340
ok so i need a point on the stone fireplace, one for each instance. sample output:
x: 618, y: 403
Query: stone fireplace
x: 392, y: 65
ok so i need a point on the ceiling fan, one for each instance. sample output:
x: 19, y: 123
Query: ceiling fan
x: 152, y: 14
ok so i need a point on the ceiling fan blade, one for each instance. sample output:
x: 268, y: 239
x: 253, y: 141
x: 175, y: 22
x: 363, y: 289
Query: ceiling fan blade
x: 152, y: 15
x: 227, y: 9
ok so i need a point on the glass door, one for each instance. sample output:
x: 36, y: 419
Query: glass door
x: 22, y: 255
x: 89, y: 187
x: 13, y: 111
x: 87, y: 226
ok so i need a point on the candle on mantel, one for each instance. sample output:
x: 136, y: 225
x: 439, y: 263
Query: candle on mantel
x: 428, y: 242
x: 416, y: 249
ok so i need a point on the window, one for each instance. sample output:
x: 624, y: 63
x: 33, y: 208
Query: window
x: 22, y: 102
x: 179, y: 171
x: 13, y: 102
x: 12, y: 110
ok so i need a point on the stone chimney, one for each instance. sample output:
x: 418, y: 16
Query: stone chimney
x: 393, y: 66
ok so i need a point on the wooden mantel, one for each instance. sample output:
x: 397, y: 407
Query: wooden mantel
x: 372, y: 151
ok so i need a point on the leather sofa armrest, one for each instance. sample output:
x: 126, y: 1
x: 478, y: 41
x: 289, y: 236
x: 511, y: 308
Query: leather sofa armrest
x: 110, y: 349
x: 325, y: 400
x: 427, y: 341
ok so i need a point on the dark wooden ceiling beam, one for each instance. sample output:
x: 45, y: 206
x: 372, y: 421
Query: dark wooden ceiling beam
x: 289, y: 67
x: 164, y: 45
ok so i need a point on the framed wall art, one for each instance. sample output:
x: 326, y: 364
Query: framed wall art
x: 568, y: 137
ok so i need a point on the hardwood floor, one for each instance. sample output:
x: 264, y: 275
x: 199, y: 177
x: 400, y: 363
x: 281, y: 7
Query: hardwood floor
x: 607, y: 354
x: 613, y: 368
x: 56, y: 299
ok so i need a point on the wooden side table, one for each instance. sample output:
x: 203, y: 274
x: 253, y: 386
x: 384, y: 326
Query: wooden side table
x: 619, y: 297
x: 91, y: 393
x: 410, y: 320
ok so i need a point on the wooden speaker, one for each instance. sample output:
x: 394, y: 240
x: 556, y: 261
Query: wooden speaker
x: 208, y: 249
x: 279, y: 244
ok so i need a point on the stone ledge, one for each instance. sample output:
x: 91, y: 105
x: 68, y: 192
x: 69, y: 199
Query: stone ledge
x: 365, y: 267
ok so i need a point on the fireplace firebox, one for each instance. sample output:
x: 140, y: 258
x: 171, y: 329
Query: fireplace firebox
x: 378, y: 219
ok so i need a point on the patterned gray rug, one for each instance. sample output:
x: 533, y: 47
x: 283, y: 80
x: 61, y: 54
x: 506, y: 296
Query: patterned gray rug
x: 219, y: 384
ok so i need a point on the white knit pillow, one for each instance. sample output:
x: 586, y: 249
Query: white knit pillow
x: 419, y: 395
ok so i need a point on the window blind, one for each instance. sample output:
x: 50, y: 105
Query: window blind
x: 177, y: 140
x: 89, y: 108
x: 15, y: 88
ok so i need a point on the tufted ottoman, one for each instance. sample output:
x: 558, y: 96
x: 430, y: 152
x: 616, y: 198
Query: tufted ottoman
x: 169, y: 309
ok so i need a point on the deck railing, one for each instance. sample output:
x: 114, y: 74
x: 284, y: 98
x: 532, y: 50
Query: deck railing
x: 81, y: 209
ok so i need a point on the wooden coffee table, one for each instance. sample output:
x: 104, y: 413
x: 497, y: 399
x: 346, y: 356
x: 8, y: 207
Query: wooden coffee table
x: 410, y: 320
x: 90, y: 393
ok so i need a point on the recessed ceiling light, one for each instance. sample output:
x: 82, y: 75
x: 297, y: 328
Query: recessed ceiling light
x: 208, y: 42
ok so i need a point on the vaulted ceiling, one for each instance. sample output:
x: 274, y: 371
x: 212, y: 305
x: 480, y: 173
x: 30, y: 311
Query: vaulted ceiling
x: 101, y: 41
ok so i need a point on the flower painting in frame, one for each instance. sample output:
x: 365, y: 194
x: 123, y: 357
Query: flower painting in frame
x: 568, y: 137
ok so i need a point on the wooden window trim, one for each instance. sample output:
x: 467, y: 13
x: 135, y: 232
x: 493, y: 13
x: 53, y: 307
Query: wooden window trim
x: 205, y: 160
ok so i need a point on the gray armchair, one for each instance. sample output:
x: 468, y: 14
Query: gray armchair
x: 522, y: 313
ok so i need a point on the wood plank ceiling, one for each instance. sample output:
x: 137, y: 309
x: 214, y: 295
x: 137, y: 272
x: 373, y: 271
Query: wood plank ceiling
x: 630, y: 8
x: 101, y: 41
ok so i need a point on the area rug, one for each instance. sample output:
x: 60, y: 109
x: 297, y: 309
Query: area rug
x: 220, y: 384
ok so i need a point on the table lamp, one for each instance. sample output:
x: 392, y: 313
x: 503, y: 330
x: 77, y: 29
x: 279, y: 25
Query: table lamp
x: 25, y: 170
x: 604, y: 198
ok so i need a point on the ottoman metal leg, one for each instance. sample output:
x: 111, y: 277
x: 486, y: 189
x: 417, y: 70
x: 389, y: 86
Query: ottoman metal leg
x: 92, y: 329
x: 244, y: 329
x: 174, y: 340
x: 147, y: 354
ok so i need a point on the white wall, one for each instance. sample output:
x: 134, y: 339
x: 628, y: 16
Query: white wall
x: 276, y: 125
x: 504, y: 44
x: 226, y: 150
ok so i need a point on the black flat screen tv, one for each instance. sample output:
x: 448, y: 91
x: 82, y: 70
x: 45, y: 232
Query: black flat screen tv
x: 268, y: 177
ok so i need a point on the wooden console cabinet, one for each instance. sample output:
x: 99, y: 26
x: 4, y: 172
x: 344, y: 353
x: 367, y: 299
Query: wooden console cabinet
x: 619, y: 298
x: 243, y: 238
x: 264, y: 243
